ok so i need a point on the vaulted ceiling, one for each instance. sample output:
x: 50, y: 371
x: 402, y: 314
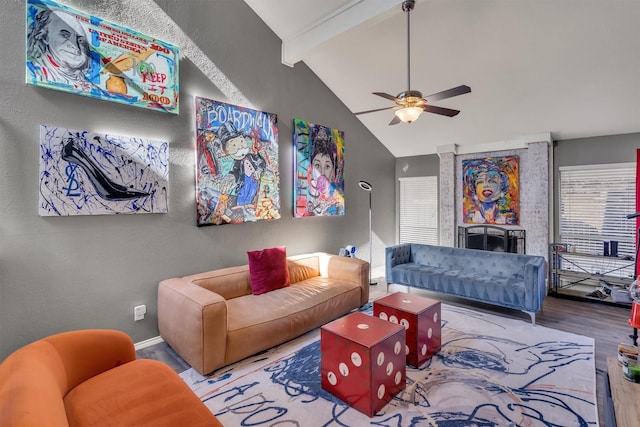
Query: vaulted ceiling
x: 570, y: 68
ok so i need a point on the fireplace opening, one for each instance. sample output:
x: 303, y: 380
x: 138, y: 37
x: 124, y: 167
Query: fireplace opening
x: 492, y: 238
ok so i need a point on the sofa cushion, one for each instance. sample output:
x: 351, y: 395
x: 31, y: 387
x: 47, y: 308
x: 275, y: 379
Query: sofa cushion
x: 258, y: 322
x: 268, y: 269
x: 255, y: 323
x: 303, y: 268
x: 141, y: 393
x: 318, y: 300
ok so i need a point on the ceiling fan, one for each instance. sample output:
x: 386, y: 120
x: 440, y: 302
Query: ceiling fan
x: 410, y: 103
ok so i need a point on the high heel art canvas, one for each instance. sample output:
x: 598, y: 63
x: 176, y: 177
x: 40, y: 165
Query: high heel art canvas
x: 86, y: 173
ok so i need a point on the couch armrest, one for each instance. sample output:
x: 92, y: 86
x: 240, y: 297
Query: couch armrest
x: 534, y: 282
x: 347, y: 270
x: 35, y: 378
x: 87, y: 353
x: 193, y: 321
x: 396, y: 255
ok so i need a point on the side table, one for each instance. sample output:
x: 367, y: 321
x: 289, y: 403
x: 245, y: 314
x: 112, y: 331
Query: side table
x: 363, y: 361
x: 625, y: 396
x: 420, y: 316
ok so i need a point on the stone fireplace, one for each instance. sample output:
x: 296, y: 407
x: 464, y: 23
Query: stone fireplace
x: 535, y: 216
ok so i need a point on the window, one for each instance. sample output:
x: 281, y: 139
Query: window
x: 594, y: 202
x: 419, y: 210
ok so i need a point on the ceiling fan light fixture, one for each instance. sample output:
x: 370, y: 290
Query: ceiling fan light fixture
x: 409, y: 114
x: 410, y: 103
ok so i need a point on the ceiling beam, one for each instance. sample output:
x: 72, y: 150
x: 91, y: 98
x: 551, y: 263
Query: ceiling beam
x: 352, y: 14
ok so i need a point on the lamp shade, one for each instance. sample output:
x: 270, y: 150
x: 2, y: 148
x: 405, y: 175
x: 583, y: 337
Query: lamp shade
x: 409, y: 114
x: 634, y: 320
x: 365, y: 185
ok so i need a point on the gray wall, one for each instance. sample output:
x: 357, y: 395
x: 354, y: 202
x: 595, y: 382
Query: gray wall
x: 596, y: 151
x: 590, y: 151
x: 408, y: 167
x: 79, y: 272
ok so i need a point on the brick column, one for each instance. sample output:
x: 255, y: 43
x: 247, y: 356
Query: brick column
x: 447, y: 205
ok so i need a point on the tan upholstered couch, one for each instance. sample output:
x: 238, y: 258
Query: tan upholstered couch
x: 212, y: 319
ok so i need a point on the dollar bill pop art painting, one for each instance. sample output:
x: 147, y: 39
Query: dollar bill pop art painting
x: 74, y: 52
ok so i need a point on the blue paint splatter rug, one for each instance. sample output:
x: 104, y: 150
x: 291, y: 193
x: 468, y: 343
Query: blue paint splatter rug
x: 491, y: 371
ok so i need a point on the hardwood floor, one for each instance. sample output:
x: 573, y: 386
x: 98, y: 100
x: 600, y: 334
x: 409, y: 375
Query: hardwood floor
x: 606, y: 324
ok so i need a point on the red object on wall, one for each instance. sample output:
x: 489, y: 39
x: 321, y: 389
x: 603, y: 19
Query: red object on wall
x: 363, y: 361
x: 421, y: 319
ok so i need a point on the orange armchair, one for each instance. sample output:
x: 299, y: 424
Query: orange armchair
x: 92, y: 377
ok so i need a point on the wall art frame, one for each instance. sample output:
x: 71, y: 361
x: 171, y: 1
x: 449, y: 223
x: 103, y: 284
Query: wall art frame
x: 319, y: 172
x: 491, y: 190
x: 71, y: 51
x: 87, y: 173
x: 237, y: 171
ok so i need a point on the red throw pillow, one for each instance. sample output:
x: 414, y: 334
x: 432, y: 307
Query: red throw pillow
x: 268, y: 269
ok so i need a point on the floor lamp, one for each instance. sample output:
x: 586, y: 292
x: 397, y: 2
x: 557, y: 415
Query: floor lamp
x: 368, y: 188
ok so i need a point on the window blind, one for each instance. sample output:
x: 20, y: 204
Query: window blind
x: 594, y: 202
x: 419, y: 210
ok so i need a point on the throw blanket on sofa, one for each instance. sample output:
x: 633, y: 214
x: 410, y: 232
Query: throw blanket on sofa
x: 509, y: 280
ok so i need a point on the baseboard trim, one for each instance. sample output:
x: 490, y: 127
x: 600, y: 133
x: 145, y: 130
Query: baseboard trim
x: 148, y: 343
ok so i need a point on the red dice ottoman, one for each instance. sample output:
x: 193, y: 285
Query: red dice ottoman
x: 363, y: 361
x: 421, y: 318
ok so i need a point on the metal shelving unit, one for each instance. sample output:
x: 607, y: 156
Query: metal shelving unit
x: 581, y: 275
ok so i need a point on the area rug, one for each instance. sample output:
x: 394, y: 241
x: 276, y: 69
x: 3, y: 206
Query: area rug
x: 491, y: 371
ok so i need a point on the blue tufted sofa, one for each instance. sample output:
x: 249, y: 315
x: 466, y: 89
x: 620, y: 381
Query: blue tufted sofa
x: 505, y: 279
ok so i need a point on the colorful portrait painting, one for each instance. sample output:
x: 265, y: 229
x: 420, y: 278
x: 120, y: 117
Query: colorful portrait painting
x: 491, y: 190
x: 71, y: 51
x: 85, y: 173
x: 237, y: 174
x: 319, y: 174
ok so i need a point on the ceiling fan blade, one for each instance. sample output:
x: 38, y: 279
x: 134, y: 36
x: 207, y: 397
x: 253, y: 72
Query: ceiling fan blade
x: 373, y: 111
x: 386, y: 95
x: 440, y: 110
x: 394, y: 121
x: 448, y: 93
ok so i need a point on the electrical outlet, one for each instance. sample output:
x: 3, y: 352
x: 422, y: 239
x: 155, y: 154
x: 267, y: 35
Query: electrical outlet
x: 139, y: 311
